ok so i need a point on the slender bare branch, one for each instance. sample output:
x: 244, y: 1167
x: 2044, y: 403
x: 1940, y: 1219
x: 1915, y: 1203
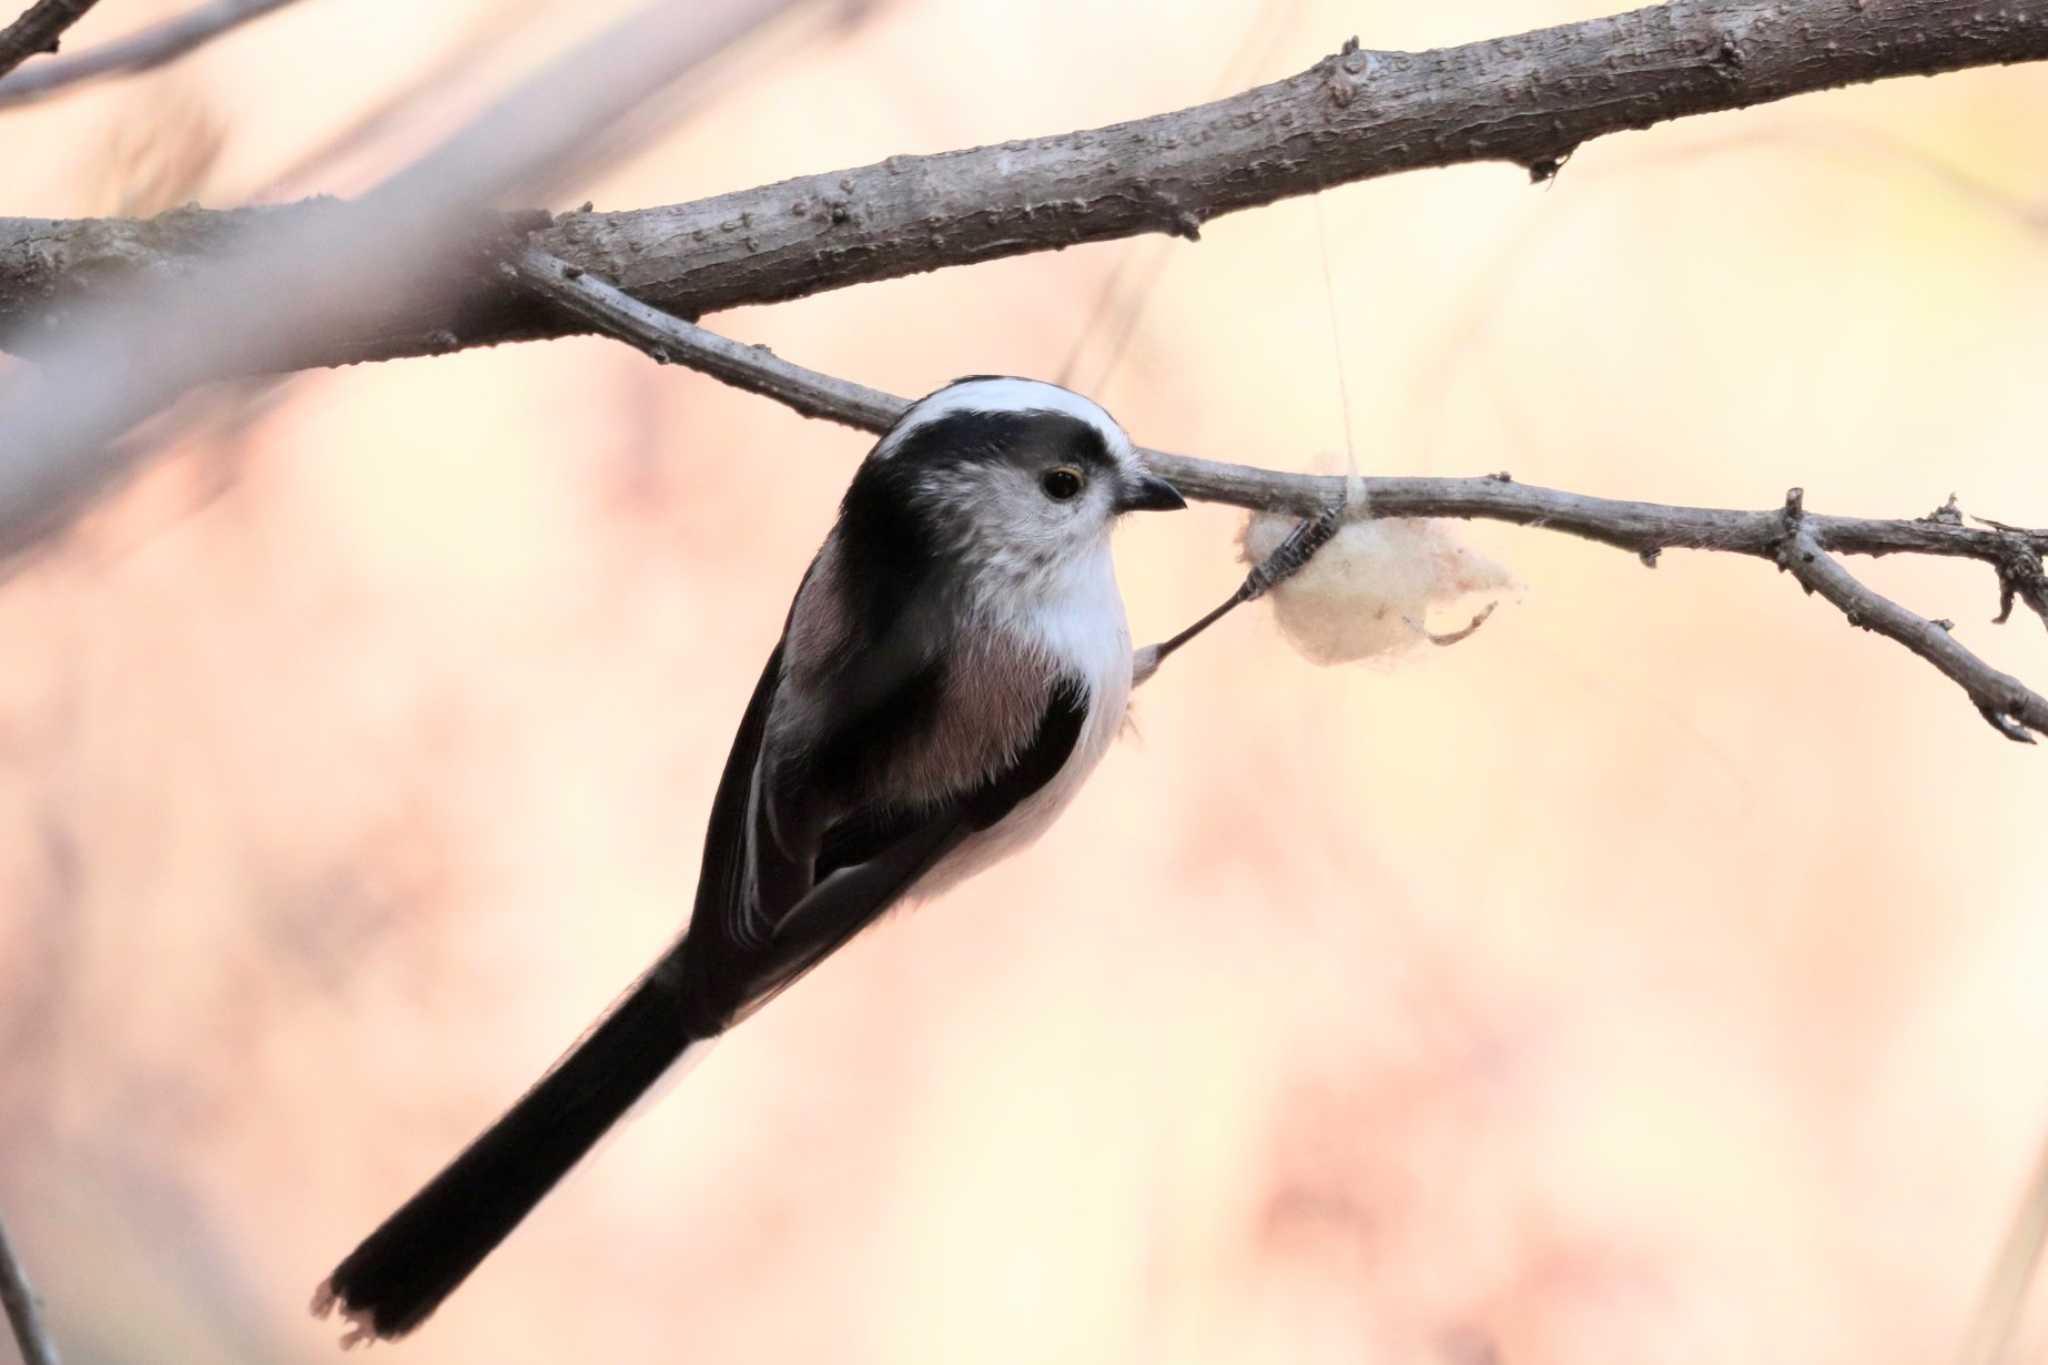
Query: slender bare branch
x: 665, y: 338
x: 2004, y: 701
x: 1790, y: 537
x: 1644, y: 528
x: 152, y: 47
x: 38, y: 30
x: 1528, y: 100
x: 23, y: 1313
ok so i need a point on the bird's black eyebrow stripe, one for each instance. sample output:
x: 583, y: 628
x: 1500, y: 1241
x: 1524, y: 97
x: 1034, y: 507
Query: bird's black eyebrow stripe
x: 1028, y: 436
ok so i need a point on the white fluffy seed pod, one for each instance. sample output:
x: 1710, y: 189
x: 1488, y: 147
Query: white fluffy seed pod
x: 1368, y: 591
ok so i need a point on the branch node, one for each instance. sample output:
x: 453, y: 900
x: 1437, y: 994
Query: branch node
x: 1727, y: 59
x: 2020, y: 578
x: 2006, y: 725
x: 1346, y: 69
x: 1650, y: 554
x: 1793, y: 549
x: 1948, y: 514
x: 1544, y: 169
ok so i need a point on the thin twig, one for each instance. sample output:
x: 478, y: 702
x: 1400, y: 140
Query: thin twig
x: 38, y: 30
x: 1527, y: 100
x: 23, y: 1313
x: 1790, y: 537
x: 154, y: 46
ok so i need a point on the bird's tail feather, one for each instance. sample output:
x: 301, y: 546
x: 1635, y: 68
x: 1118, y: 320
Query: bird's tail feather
x: 402, y: 1271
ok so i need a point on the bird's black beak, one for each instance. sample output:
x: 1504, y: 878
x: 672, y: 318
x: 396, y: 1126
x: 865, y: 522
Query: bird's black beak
x: 1150, y: 493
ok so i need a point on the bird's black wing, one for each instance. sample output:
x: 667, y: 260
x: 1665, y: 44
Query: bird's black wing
x: 869, y: 857
x: 722, y: 880
x: 831, y: 710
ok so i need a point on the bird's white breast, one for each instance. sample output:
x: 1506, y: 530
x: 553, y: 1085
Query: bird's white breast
x: 1077, y: 626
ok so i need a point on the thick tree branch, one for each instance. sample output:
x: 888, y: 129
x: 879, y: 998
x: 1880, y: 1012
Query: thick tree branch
x: 1789, y: 537
x: 23, y: 1314
x: 1528, y: 99
x: 38, y: 30
x: 154, y: 46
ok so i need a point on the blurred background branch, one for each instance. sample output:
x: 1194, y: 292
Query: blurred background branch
x: 38, y: 30
x: 152, y: 47
x: 1530, y: 99
x: 24, y: 1315
x: 1997, y: 1319
x: 122, y: 358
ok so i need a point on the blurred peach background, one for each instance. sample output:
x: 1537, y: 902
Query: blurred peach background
x: 1654, y: 976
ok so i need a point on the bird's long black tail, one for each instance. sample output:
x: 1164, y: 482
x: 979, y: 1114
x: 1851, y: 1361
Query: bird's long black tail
x: 402, y: 1271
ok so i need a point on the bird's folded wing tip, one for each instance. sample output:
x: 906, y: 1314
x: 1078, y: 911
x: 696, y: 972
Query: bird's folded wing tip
x: 362, y: 1324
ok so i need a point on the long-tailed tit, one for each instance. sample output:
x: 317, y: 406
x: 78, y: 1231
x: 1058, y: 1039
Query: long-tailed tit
x: 955, y: 663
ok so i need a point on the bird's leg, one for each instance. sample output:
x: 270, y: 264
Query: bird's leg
x: 1289, y: 558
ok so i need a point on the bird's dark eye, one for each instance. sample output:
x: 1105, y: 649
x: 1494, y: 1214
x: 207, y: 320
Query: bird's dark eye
x: 1061, y: 483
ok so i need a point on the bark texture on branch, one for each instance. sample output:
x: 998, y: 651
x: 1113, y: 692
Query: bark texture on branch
x: 1529, y: 99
